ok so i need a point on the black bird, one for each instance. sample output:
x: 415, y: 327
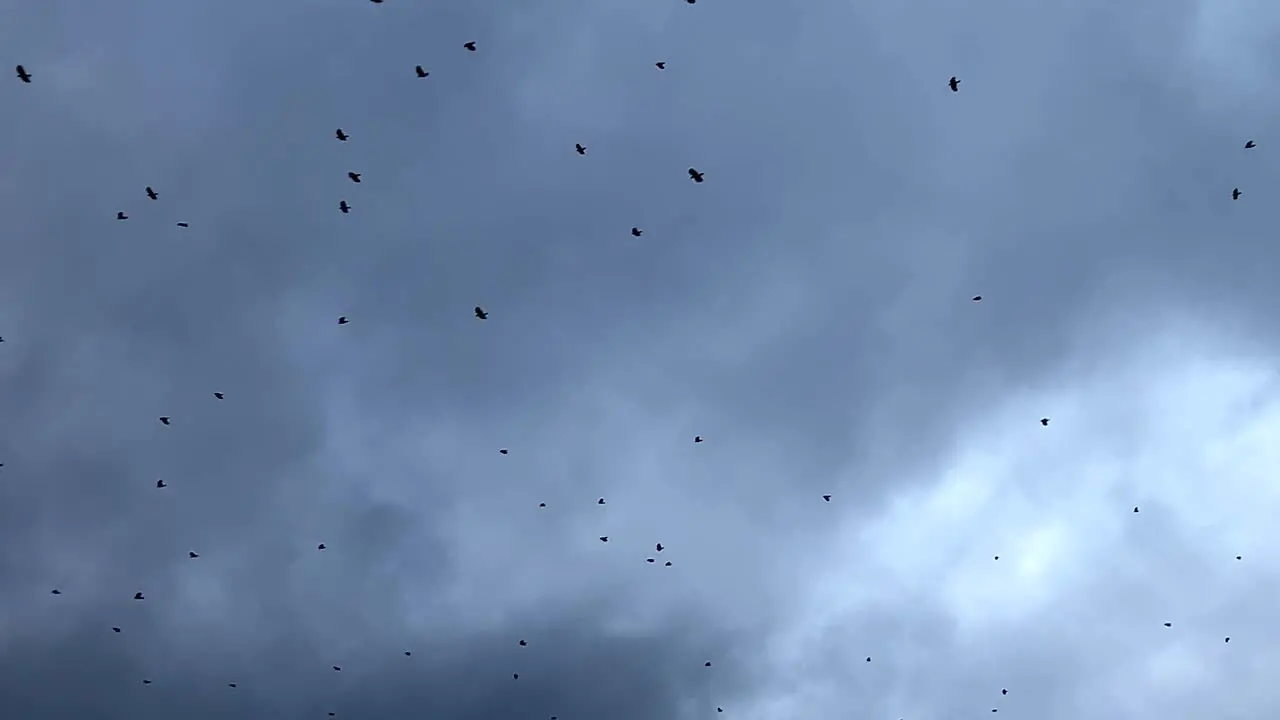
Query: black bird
x: 523, y: 643
x: 637, y: 232
x: 582, y: 150
x: 115, y: 629
x: 192, y: 554
x: 160, y: 484
x: 121, y: 216
x: 340, y: 135
x: 1250, y: 145
x: 183, y: 225
x: 164, y: 419
x: 868, y: 658
x: 541, y: 505
x: 218, y: 395
x: 343, y: 320
x: 977, y: 298
x: 375, y: 2
x: 344, y: 207
x: 1235, y: 194
x: 481, y: 314
x: 660, y: 65
x: 604, y: 538
x: 719, y: 709
x: 421, y: 73
x: 695, y: 176
x: 1135, y: 508
x: 407, y: 653
x: 138, y: 596
x: 1237, y: 557
x: 23, y: 75
x: 152, y: 193
x: 668, y: 563
x: 691, y: 2
x: 955, y: 84
x: 827, y: 498
x: 337, y: 669
x: 995, y: 557
x: 503, y: 451
x: 146, y: 682
x: 658, y: 547
x: 1168, y: 624
x: 1004, y: 691
x: 1226, y: 640
x: 650, y: 560
x: 231, y: 684
x: 56, y: 591
x: 707, y: 664
x: 515, y: 676
x: 600, y: 501
x: 470, y: 45
x: 697, y: 438
x: 355, y: 177
x: 1044, y: 422
x: 320, y: 546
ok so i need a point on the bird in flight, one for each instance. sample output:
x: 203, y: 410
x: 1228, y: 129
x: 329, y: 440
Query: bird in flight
x: 23, y: 75
x: 697, y: 438
x: 695, y: 176
x: 977, y: 298
x: 218, y: 395
x: 138, y: 596
x: 1235, y: 194
x: 151, y: 193
x: 160, y: 484
x: 955, y: 84
x: 320, y: 546
x: 340, y: 135
x: 183, y: 225
x: 355, y: 176
x: 582, y: 150
x: 603, y: 538
x: 826, y: 498
x: 421, y: 73
x: 337, y: 669
x: 1044, y: 422
x: 481, y: 314
x: 660, y: 65
x: 121, y: 216
x: 637, y: 232
x: 659, y: 547
x: 600, y: 501
x: 470, y: 45
x: 115, y: 629
x: 344, y: 207
x: 55, y: 591
x: 1250, y: 145
x: 193, y: 554
x: 503, y: 451
x: 342, y: 320
x: 164, y: 419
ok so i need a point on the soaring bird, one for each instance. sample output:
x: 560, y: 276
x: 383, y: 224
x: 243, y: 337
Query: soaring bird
x: 152, y: 193
x: 115, y: 629
x: 706, y: 664
x: 55, y: 591
x: 470, y: 45
x: 1235, y: 194
x: 1168, y: 624
x: 138, y: 596
x: 826, y: 498
x: 233, y: 684
x: 582, y: 150
x: 218, y: 395
x: 337, y: 669
x: 691, y: 2
x: 523, y: 643
x: 503, y: 451
x: 659, y: 547
x: 421, y: 73
x: 660, y: 65
x: 344, y: 207
x: 1044, y: 422
x: 955, y: 84
x: 1004, y: 691
x: 184, y: 225
x: 600, y: 501
x: 193, y: 554
x: 650, y: 560
x: 977, y: 298
x: 604, y: 538
x: 408, y: 653
x: 636, y: 232
x: 481, y: 314
x: 121, y: 216
x: 1250, y: 145
x: 160, y: 484
x: 355, y: 176
x: 164, y: 419
x: 23, y: 75
x: 668, y: 564
x: 1135, y: 508
x: 320, y: 546
x: 697, y: 438
x: 340, y: 135
x: 542, y: 505
x: 146, y: 682
x: 695, y: 176
x: 343, y: 320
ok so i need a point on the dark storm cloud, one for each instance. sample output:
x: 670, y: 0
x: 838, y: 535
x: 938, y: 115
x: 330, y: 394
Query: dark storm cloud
x: 806, y: 309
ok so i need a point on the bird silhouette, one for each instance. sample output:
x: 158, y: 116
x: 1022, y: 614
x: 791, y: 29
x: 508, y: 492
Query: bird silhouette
x: 1168, y: 624
x: 183, y: 225
x: 582, y: 150
x: 420, y: 72
x: 977, y: 298
x: 115, y: 629
x: 344, y: 207
x: 121, y: 216
x: 826, y: 498
x: 23, y: 75
x: 1044, y: 422
x: 660, y: 65
x: 955, y: 84
x: 164, y: 420
x: 138, y: 596
x: 668, y: 564
x: 340, y: 135
x: 503, y: 451
x: 55, y: 591
x: 146, y: 682
x: 1135, y: 508
x: 1003, y: 691
x: 193, y: 554
x: 337, y: 669
x: 355, y: 177
x: 523, y: 643
x: 1235, y: 194
x: 320, y: 546
x: 343, y: 320
x: 604, y: 538
x: 695, y: 176
x: 658, y: 547
x: 1250, y: 145
x: 697, y: 438
x: 407, y: 653
x: 218, y: 395
x: 636, y: 232
x: 160, y: 484
x: 231, y: 684
x: 542, y: 505
x: 650, y: 560
x: 481, y: 314
x: 707, y: 664
x: 470, y: 45
x: 600, y: 501
x: 152, y: 193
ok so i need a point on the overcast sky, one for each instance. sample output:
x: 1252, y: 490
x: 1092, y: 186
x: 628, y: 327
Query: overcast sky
x: 806, y: 310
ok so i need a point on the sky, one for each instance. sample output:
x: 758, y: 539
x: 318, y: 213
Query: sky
x: 806, y: 311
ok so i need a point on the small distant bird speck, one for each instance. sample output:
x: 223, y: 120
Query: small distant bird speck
x: 320, y: 546
x: 604, y: 538
x: 955, y: 84
x: 152, y: 193
x: 660, y: 65
x: 695, y: 176
x: 582, y: 150
x: 164, y: 420
x: 337, y: 669
x: 1235, y: 194
x: 218, y: 395
x: 523, y: 643
x: 636, y: 232
x: 344, y: 207
x: 55, y: 591
x: 1250, y: 145
x: 600, y: 501
x: 343, y: 320
x: 355, y: 176
x: 481, y: 314
x: 340, y: 135
x: 977, y: 298
x: 650, y: 560
x: 697, y: 438
x: 1004, y: 691
x: 160, y: 484
x: 138, y: 596
x: 1044, y: 422
x: 23, y: 75
x: 183, y: 225
x: 658, y: 547
x: 707, y: 664
x: 121, y: 216
x: 542, y: 505
x: 115, y: 629
x: 470, y: 45
x: 193, y: 554
x: 826, y: 498
x: 503, y: 451
x: 420, y: 72
x: 1135, y: 508
x: 231, y: 684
